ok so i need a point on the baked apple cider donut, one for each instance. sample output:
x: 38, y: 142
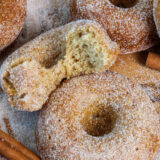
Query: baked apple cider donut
x: 156, y: 13
x: 128, y: 22
x: 32, y: 72
x: 12, y: 17
x: 96, y: 117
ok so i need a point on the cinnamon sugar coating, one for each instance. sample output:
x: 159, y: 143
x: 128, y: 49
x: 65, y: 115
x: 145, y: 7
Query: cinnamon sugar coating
x: 12, y: 17
x: 133, y: 66
x: 98, y: 116
x: 32, y: 72
x: 131, y: 27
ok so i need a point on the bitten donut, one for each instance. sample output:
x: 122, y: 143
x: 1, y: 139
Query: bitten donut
x: 133, y: 66
x: 128, y: 22
x: 12, y: 16
x: 98, y: 116
x: 32, y: 72
x: 156, y: 13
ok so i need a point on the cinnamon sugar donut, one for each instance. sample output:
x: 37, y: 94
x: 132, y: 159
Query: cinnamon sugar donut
x: 98, y: 116
x: 32, y: 72
x: 128, y: 22
x: 12, y: 16
x: 156, y: 13
x: 133, y: 66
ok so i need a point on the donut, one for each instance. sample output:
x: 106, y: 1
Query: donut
x: 12, y: 17
x: 133, y: 66
x: 98, y: 116
x: 156, y: 13
x: 128, y: 22
x: 32, y: 72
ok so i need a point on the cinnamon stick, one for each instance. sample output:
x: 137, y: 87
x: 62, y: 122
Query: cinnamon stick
x: 10, y: 148
x: 10, y: 153
x: 153, y: 61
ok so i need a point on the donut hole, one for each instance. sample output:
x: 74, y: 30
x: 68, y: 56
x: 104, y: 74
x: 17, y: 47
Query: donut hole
x: 100, y: 120
x: 86, y: 53
x: 124, y: 3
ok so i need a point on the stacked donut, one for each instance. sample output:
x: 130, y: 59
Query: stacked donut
x: 86, y: 112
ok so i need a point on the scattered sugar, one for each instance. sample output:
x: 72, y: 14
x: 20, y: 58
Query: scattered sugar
x: 18, y: 124
x: 42, y: 15
x: 157, y: 157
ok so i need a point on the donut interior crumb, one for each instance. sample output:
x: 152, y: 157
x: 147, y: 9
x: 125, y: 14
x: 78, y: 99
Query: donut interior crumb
x: 85, y: 53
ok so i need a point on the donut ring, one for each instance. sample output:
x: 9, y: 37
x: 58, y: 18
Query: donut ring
x: 12, y: 16
x: 32, y: 72
x: 133, y: 66
x: 98, y: 116
x: 156, y: 13
x: 132, y: 28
